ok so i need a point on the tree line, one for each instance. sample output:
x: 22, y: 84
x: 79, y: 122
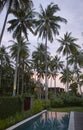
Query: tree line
x: 16, y: 65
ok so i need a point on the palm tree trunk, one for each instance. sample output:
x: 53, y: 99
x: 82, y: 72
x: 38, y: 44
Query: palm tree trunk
x: 40, y: 92
x: 0, y: 77
x: 55, y: 84
x: 46, y: 83
x: 40, y: 88
x: 0, y: 74
x: 67, y: 85
x: 18, y: 82
x: 3, y: 28
x: 22, y: 77
x: 80, y: 90
x: 50, y: 79
x: 15, y: 76
x: 78, y: 82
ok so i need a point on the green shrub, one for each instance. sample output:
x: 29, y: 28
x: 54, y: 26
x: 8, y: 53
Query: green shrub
x: 57, y: 102
x: 9, y: 106
x: 45, y: 104
x: 40, y: 105
x: 37, y: 106
x: 71, y: 100
x: 5, y: 123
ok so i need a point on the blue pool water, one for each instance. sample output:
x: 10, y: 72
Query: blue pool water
x: 47, y: 121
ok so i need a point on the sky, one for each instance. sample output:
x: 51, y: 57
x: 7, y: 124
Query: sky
x: 72, y: 10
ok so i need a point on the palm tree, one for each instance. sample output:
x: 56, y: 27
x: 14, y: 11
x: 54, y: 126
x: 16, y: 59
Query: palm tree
x: 67, y: 47
x: 73, y: 88
x: 19, y: 50
x: 50, y: 71
x: 19, y: 25
x: 75, y: 60
x: 38, y: 58
x: 47, y: 27
x: 81, y: 83
x: 22, y: 22
x: 56, y: 65
x: 23, y: 55
x: 4, y: 60
x: 63, y: 77
x: 12, y: 4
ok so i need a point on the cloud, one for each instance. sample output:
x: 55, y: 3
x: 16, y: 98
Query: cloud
x: 72, y: 11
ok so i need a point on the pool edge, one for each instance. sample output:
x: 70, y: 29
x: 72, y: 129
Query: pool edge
x: 26, y: 120
x: 71, y: 122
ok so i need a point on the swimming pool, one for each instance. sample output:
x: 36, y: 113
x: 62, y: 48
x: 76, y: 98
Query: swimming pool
x: 47, y: 121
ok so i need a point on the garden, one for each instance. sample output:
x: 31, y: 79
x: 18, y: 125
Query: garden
x: 25, y: 73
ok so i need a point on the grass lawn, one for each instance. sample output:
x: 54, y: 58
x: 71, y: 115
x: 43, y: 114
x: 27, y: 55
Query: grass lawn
x: 67, y: 109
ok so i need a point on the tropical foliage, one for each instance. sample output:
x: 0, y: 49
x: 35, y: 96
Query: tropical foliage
x: 27, y: 72
x: 14, y: 4
x: 16, y: 64
x: 47, y: 27
x: 67, y: 46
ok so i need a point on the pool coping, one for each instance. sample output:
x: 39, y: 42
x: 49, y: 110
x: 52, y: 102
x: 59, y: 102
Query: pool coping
x: 26, y: 120
x: 71, y: 122
x: 76, y: 121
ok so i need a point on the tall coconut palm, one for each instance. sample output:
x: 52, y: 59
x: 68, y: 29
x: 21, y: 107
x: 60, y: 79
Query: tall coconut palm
x: 19, y: 50
x: 38, y: 58
x: 4, y: 60
x: 47, y: 28
x: 81, y: 84
x: 12, y: 4
x: 67, y: 47
x: 63, y: 77
x: 23, y: 21
x: 76, y: 60
x: 23, y: 55
x: 56, y: 65
x: 50, y: 71
x: 73, y: 59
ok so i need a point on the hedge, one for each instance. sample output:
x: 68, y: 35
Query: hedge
x: 66, y: 100
x: 9, y: 106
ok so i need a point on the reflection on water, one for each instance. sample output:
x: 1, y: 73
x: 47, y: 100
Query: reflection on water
x: 57, y: 115
x: 51, y: 121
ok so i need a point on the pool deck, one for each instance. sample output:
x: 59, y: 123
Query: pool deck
x: 76, y: 121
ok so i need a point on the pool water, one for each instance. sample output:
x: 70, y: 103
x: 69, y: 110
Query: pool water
x: 47, y: 121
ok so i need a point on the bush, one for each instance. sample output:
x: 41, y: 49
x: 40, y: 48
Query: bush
x: 5, y: 123
x: 57, y: 102
x: 71, y: 100
x: 40, y: 105
x: 45, y: 104
x: 9, y: 106
x: 37, y: 106
x: 65, y: 100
